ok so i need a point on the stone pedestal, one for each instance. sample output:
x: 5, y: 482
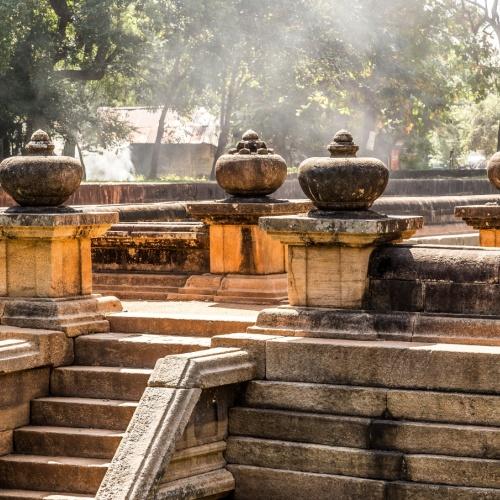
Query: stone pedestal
x: 328, y: 254
x: 246, y: 264
x: 485, y: 218
x: 46, y: 270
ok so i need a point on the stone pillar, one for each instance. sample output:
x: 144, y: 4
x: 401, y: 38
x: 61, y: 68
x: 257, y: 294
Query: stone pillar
x: 328, y: 256
x: 485, y: 218
x: 246, y: 265
x: 329, y: 248
x: 45, y: 264
x: 46, y: 271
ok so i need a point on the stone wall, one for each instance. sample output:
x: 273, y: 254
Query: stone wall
x: 446, y: 280
x: 94, y: 193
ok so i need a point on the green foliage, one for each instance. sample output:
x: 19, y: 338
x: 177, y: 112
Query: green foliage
x: 471, y: 127
x: 295, y: 70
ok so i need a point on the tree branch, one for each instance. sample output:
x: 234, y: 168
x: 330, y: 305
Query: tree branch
x: 82, y: 74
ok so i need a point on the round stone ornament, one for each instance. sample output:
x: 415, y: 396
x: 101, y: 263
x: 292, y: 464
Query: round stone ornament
x: 251, y: 170
x: 40, y: 179
x: 494, y: 170
x: 343, y: 181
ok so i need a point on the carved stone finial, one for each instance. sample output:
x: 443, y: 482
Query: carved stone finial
x: 40, y: 179
x: 343, y: 181
x: 250, y: 144
x: 251, y: 169
x: 343, y: 145
x: 40, y: 144
x: 494, y: 170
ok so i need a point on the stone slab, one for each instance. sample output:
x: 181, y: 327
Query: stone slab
x: 385, y: 363
x: 244, y: 211
x: 306, y: 457
x: 17, y: 388
x: 73, y: 316
x: 458, y: 471
x: 260, y: 482
x: 363, y: 324
x: 341, y: 228
x: 330, y: 430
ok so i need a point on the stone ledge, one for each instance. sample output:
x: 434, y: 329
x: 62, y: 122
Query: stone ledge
x: 350, y: 228
x: 374, y: 325
x: 203, y: 369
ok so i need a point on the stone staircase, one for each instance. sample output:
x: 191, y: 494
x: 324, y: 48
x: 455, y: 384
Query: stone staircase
x: 138, y: 286
x: 378, y: 420
x: 74, y: 433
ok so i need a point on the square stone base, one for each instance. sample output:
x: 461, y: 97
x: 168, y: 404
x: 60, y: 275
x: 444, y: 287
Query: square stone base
x: 245, y: 249
x: 489, y: 237
x: 74, y: 316
x: 327, y: 276
x: 235, y: 288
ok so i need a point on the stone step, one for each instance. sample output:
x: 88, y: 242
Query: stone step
x: 141, y: 279
x: 12, y: 347
x: 430, y: 406
x: 259, y: 482
x: 67, y: 441
x: 82, y: 412
x: 449, y: 367
x: 369, y: 464
x: 52, y: 473
x: 135, y: 293
x: 106, y: 382
x: 187, y: 323
x: 132, y: 350
x: 375, y: 434
x: 40, y: 495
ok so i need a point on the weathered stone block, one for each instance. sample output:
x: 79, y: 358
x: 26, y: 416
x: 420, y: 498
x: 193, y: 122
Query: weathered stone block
x: 306, y: 457
x: 203, y: 369
x: 394, y: 295
x: 259, y: 482
x: 317, y: 398
x: 462, y: 298
x: 385, y: 363
x: 20, y: 387
x: 457, y: 471
x: 331, y: 430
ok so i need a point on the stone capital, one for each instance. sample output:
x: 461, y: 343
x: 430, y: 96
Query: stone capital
x: 351, y: 229
x: 480, y: 216
x: 244, y: 210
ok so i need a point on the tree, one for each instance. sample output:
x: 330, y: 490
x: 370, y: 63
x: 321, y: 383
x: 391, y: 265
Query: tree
x: 52, y: 51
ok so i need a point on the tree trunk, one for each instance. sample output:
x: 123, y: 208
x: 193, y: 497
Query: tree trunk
x: 155, y: 158
x: 80, y: 156
x: 227, y: 103
x: 498, y: 137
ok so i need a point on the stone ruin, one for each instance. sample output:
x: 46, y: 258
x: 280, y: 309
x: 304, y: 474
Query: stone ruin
x: 371, y: 369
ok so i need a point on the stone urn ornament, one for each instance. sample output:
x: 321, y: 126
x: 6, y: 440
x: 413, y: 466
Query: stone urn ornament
x: 493, y: 170
x: 343, y: 181
x: 40, y: 179
x: 251, y: 170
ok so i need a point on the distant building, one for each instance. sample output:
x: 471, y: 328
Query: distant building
x: 188, y: 144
